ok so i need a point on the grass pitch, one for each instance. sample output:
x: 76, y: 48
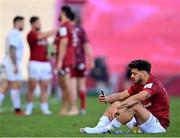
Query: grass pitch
x: 39, y: 125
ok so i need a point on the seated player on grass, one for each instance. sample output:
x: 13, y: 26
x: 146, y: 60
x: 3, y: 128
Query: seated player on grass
x: 146, y: 103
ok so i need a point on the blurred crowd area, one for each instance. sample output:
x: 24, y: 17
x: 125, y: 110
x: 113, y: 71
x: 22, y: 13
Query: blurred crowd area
x: 119, y: 31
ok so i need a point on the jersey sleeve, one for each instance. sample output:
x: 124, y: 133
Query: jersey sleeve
x: 32, y: 37
x: 151, y: 88
x: 63, y: 32
x: 14, y: 40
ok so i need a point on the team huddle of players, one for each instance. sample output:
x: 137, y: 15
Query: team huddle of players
x: 73, y: 60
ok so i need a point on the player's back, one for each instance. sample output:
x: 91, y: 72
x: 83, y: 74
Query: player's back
x: 79, y: 42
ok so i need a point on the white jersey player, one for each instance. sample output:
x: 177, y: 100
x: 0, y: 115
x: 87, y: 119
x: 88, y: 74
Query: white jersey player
x: 12, y: 64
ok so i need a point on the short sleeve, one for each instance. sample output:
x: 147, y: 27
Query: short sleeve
x: 32, y: 37
x: 14, y: 40
x: 63, y: 32
x: 151, y: 88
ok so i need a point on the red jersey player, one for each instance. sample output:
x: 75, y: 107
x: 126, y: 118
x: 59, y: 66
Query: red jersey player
x: 145, y: 103
x: 82, y: 51
x: 65, y: 63
x: 40, y: 70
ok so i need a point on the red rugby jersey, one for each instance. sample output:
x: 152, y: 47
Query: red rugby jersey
x: 38, y: 47
x: 158, y: 103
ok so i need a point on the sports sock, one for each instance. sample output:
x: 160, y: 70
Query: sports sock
x: 29, y: 107
x: 44, y: 106
x: 103, y: 121
x: 82, y: 100
x: 15, y: 97
x: 114, y: 124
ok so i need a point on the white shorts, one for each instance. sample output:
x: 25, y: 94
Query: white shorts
x: 40, y: 70
x: 152, y: 125
x: 9, y: 70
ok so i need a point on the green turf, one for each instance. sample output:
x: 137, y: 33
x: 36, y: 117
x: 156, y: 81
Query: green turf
x: 59, y: 126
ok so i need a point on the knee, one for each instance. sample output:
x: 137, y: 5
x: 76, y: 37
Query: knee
x: 116, y: 103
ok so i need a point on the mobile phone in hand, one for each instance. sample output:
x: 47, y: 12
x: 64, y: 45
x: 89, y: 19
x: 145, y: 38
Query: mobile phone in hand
x: 102, y: 92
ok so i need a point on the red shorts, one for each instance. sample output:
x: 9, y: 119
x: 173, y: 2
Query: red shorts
x: 79, y: 73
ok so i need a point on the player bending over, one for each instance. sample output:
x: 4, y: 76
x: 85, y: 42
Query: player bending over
x: 146, y: 103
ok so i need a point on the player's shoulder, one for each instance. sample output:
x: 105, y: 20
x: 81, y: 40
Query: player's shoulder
x: 153, y: 82
x: 13, y: 33
x: 32, y: 33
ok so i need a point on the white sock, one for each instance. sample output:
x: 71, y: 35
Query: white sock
x: 103, y: 121
x: 15, y: 97
x: 114, y: 124
x: 29, y: 107
x: 1, y: 98
x: 44, y: 107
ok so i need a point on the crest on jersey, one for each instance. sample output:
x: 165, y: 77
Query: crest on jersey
x: 149, y: 85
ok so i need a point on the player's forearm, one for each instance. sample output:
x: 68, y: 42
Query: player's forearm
x: 46, y: 34
x: 13, y: 55
x: 113, y: 97
x: 130, y: 101
x: 88, y: 52
x: 117, y: 97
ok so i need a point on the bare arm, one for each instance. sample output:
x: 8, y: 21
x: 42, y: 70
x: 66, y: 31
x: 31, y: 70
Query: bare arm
x: 13, y: 54
x: 46, y: 34
x: 137, y: 98
x: 13, y: 57
x: 62, y: 51
x: 114, y: 97
x: 88, y: 52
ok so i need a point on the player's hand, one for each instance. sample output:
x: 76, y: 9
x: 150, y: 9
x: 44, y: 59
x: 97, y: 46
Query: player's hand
x: 103, y: 99
x: 113, y: 111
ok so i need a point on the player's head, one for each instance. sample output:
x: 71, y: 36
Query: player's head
x: 72, y: 17
x: 65, y: 13
x: 35, y: 23
x: 18, y: 22
x: 75, y: 19
x: 139, y: 69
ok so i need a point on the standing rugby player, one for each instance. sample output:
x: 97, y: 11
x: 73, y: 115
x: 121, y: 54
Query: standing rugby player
x: 82, y: 53
x: 13, y: 63
x: 65, y: 63
x: 40, y: 70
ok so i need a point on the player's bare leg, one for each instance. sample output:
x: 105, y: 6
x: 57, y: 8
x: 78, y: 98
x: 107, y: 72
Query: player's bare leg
x: 30, y: 95
x: 3, y: 90
x: 44, y: 97
x: 81, y: 83
x: 15, y: 96
x: 72, y: 93
x: 65, y: 100
x: 138, y: 111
